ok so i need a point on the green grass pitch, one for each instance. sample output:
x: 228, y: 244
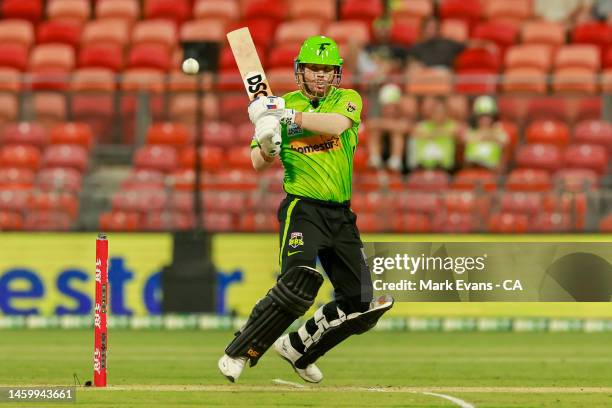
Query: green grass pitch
x: 377, y: 369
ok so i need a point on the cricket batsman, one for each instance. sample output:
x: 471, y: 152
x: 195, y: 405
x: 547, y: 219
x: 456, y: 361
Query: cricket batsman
x: 314, y: 133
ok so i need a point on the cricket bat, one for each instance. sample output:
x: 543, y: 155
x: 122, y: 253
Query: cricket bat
x: 251, y: 71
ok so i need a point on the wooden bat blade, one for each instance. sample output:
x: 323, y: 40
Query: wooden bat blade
x: 249, y: 64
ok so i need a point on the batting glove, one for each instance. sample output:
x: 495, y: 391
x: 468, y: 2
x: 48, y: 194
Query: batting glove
x: 268, y: 135
x: 270, y: 106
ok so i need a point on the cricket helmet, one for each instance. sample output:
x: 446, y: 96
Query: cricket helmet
x: 318, y: 50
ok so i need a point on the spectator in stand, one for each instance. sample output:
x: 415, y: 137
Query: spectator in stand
x: 602, y: 10
x: 486, y: 139
x: 381, y: 58
x: 567, y: 12
x: 388, y: 124
x: 433, y: 50
x: 434, y: 140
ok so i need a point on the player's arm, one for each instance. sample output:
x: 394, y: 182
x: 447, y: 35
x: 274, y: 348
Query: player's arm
x: 260, y: 160
x: 331, y: 124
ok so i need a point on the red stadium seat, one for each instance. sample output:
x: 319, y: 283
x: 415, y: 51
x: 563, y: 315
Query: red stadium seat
x: 467, y: 10
x: 430, y: 81
x: 223, y: 10
x: 414, y: 223
x: 577, y: 180
x: 547, y: 109
x: 283, y: 56
x: 20, y: 156
x: 411, y: 10
x: 521, y: 202
x: 14, y: 56
x: 49, y: 108
x: 60, y: 155
x: 583, y: 80
x: 139, y: 200
x: 282, y: 80
x: 99, y: 80
x: 528, y: 180
x: 514, y: 12
x: 548, y: 131
x: 275, y: 10
x: 578, y: 56
x: 294, y: 32
x: 262, y: 30
x: 168, y: 221
x: 543, y: 32
x: 30, y: 10
x: 155, y: 32
x: 154, y: 157
x: 56, y: 56
x: 234, y: 107
x: 58, y: 31
x: 16, y: 32
x: 77, y: 11
x: 240, y: 158
x: 592, y: 157
x: 218, y: 222
x: 502, y: 34
x: 539, y: 156
x: 10, y: 221
x: 344, y: 32
x: 593, y: 32
x: 101, y: 56
x: 168, y: 133
x: 358, y: 10
x: 73, y: 133
x: 550, y: 222
x: 106, y: 32
x: 24, y: 133
x: 8, y: 108
x: 183, y: 108
x: 477, y: 204
x: 149, y: 56
x: 124, y: 10
x: 120, y: 221
x: 453, y: 223
x: 321, y: 10
x: 59, y: 179
x: 177, y: 11
x: 594, y: 132
x: 15, y: 178
x: 16, y: 200
x: 457, y: 30
x: 258, y: 222
x: 144, y: 179
x: 476, y: 70
x: 428, y: 180
x: 529, y: 56
x: 524, y: 80
x: 203, y: 30
x: 403, y: 34
x: 47, y: 221
x: 416, y: 202
x: 504, y: 223
x: 233, y: 180
x: 368, y: 222
x: 475, y: 179
x: 143, y: 79
x: 211, y: 158
x: 56, y: 201
x: 224, y: 201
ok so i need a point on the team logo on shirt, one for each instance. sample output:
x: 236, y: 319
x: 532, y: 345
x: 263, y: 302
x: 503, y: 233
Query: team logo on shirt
x: 351, y: 107
x: 296, y: 239
x: 316, y: 144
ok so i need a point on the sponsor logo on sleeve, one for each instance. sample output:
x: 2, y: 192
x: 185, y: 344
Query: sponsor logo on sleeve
x: 351, y: 107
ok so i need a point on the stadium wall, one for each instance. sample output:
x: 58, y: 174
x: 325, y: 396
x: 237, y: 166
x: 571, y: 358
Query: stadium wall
x: 49, y: 274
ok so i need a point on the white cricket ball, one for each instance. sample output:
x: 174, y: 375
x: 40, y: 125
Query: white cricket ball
x: 191, y: 66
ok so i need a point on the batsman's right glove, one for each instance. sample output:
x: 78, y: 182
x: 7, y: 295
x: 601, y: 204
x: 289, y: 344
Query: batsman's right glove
x: 268, y: 135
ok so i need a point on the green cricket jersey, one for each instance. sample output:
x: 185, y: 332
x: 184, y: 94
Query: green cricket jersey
x: 318, y: 166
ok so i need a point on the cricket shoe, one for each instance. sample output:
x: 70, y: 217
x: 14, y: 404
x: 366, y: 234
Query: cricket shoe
x: 284, y: 349
x: 231, y: 367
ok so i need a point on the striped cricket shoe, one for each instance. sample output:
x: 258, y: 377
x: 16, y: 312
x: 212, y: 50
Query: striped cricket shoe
x: 284, y: 349
x: 231, y: 367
